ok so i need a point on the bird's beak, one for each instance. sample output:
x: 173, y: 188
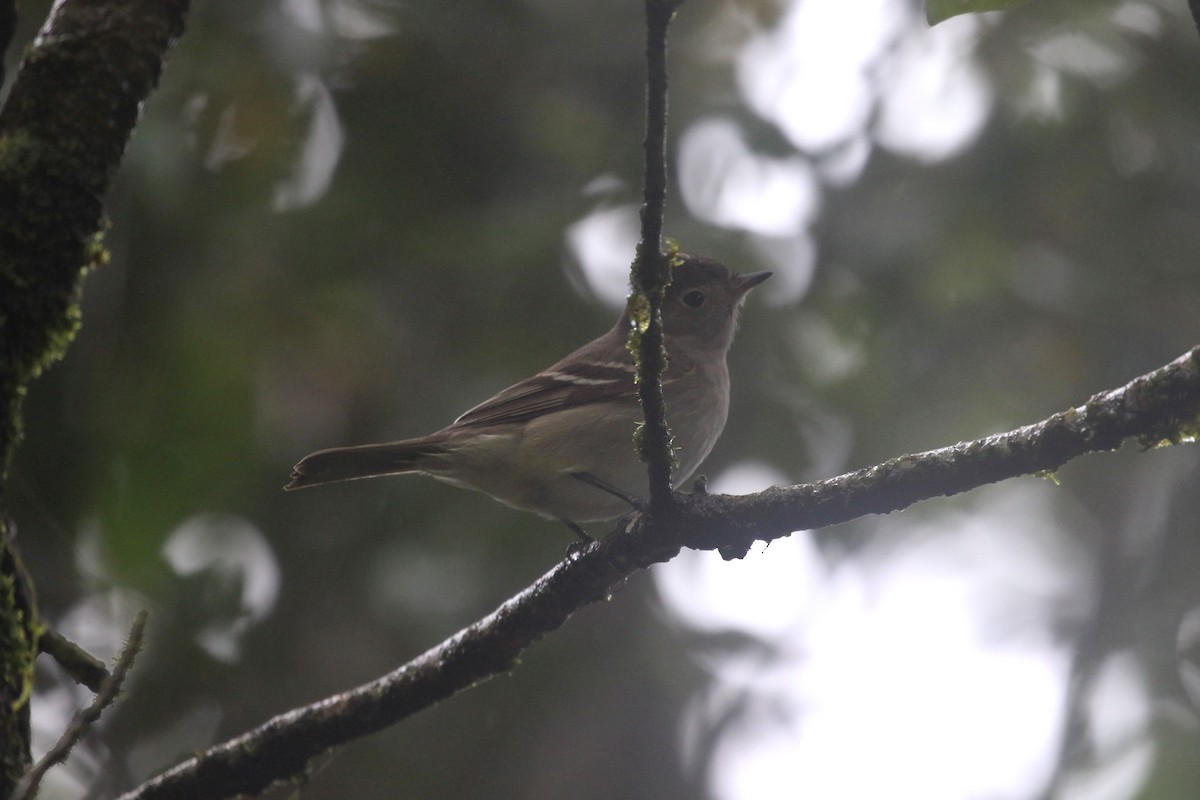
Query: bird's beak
x: 744, y: 283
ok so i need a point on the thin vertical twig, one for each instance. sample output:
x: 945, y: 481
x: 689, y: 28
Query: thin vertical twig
x: 651, y: 270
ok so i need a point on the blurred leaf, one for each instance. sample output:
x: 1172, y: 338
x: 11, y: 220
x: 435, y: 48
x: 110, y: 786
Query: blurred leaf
x: 941, y: 10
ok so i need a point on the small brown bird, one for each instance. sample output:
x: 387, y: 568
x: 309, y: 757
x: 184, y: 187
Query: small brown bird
x: 559, y: 443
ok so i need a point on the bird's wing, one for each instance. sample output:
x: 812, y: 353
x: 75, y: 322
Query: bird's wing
x: 576, y: 380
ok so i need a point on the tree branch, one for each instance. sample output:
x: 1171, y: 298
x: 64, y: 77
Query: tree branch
x: 83, y: 667
x: 651, y: 268
x: 63, y: 129
x: 1160, y: 407
x: 71, y: 110
x: 19, y: 628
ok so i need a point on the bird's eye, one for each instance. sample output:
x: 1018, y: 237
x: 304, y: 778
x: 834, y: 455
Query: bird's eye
x: 693, y: 298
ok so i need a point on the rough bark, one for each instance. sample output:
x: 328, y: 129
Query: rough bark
x: 63, y: 130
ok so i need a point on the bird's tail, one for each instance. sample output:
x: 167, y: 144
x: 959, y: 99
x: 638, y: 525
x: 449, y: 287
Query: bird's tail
x: 366, y: 461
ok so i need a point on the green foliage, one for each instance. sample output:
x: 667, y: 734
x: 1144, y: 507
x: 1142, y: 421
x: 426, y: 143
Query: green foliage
x: 18, y: 646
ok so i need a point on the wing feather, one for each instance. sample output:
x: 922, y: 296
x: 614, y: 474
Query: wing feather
x: 604, y: 373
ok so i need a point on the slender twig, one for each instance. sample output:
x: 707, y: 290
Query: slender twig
x: 654, y: 145
x: 82, y: 722
x: 83, y: 667
x: 651, y: 269
x: 1161, y: 406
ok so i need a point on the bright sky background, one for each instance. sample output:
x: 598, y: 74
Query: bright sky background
x: 925, y: 667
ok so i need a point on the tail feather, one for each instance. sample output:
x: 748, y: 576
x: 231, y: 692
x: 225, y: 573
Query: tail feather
x: 366, y: 461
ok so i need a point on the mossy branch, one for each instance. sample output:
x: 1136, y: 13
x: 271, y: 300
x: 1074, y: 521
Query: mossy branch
x: 63, y: 128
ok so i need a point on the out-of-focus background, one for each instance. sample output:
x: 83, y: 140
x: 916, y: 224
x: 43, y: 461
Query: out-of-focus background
x: 345, y: 221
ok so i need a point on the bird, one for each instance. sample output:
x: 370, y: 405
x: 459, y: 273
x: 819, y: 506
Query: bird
x: 560, y: 443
